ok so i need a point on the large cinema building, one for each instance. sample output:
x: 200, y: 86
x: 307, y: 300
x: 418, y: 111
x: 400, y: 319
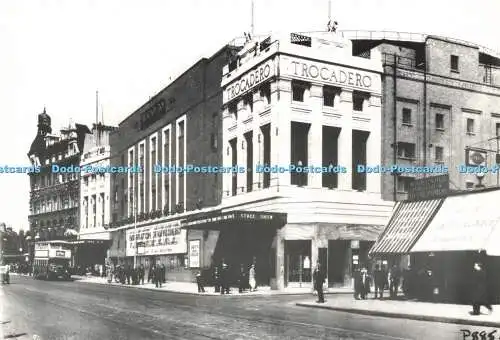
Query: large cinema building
x: 292, y: 101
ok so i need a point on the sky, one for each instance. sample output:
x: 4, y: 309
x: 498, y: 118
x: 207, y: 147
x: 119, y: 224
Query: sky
x: 58, y: 53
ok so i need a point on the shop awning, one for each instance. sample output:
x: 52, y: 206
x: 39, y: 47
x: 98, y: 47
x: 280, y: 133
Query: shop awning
x: 215, y: 220
x: 464, y: 223
x: 407, y: 223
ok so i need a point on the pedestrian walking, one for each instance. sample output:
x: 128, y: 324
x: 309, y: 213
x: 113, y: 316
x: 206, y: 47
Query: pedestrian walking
x: 224, y: 276
x: 242, y: 280
x: 395, y: 276
x: 319, y: 279
x: 199, y: 282
x: 158, y: 276
x: 216, y: 278
x: 480, y: 290
x: 142, y: 271
x: 380, y: 277
x: 151, y: 274
x: 251, y: 278
x: 357, y: 283
x: 163, y: 273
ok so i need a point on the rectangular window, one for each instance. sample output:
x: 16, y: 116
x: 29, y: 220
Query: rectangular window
x: 298, y: 90
x: 329, y: 96
x: 358, y: 99
x: 439, y: 154
x: 497, y: 129
x: 86, y: 205
x: 439, y: 121
x: 265, y: 93
x: 406, y: 116
x: 470, y: 125
x: 131, y: 184
x: 406, y: 150
x: 233, y: 110
x: 404, y: 183
x: 103, y: 205
x: 166, y: 176
x: 181, y: 161
x: 94, y: 209
x: 140, y: 203
x: 454, y: 63
x: 154, y: 176
x: 249, y: 101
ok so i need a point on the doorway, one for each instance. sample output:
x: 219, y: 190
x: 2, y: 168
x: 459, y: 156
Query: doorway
x: 337, y: 259
x: 298, y: 263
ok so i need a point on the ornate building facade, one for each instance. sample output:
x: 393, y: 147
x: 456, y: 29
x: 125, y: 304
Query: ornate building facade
x: 55, y: 195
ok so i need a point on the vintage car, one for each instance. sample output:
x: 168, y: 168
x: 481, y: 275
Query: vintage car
x: 4, y: 274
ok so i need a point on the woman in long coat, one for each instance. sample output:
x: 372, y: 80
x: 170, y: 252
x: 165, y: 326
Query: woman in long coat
x: 251, y: 278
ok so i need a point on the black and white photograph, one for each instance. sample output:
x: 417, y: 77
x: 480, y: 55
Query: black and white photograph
x: 249, y: 169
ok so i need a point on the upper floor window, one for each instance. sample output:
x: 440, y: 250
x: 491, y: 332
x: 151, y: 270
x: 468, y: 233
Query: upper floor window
x: 329, y: 96
x: 439, y: 121
x: 406, y: 116
x: 439, y: 154
x: 470, y: 125
x: 233, y: 110
x: 298, y: 91
x: 265, y: 92
x: 454, y: 63
x: 497, y: 129
x: 406, y: 150
x: 249, y: 101
x: 404, y: 183
x: 358, y: 99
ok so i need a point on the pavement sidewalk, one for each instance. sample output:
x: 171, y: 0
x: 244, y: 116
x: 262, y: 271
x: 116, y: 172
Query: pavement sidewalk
x: 414, y: 310
x: 192, y: 288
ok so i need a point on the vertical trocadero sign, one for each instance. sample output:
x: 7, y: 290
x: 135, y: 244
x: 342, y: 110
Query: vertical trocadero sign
x: 249, y: 80
x: 165, y: 238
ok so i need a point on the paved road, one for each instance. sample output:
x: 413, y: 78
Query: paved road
x: 75, y: 310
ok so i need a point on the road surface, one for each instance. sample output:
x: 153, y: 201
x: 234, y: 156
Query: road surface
x: 42, y: 310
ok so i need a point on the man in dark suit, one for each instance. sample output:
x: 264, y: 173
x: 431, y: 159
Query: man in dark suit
x: 380, y: 277
x: 480, y: 289
x: 319, y: 279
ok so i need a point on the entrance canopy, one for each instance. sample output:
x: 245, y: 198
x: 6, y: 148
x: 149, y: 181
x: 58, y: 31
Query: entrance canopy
x: 464, y: 223
x: 215, y: 220
x: 407, y: 223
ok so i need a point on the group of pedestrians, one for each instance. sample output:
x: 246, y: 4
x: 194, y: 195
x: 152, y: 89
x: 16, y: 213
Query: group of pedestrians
x: 127, y: 274
x: 381, y: 279
x: 222, y: 279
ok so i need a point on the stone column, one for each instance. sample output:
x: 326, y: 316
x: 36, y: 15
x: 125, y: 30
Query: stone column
x: 374, y: 143
x: 241, y: 146
x: 280, y: 130
x: 345, y: 140
x: 226, y: 152
x: 280, y: 261
x: 315, y: 138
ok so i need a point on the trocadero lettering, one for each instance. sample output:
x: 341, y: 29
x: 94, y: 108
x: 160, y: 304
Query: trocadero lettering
x: 332, y: 74
x: 249, y: 80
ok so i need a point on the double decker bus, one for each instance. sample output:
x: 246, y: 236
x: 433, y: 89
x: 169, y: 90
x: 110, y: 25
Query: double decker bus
x: 52, y: 260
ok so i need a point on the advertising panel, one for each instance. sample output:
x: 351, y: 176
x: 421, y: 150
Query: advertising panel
x: 161, y: 239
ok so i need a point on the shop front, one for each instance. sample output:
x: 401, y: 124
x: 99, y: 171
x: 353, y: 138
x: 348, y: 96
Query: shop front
x: 465, y: 230
x: 159, y: 244
x: 406, y: 225
x: 90, y: 255
x: 238, y: 239
x: 337, y: 247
